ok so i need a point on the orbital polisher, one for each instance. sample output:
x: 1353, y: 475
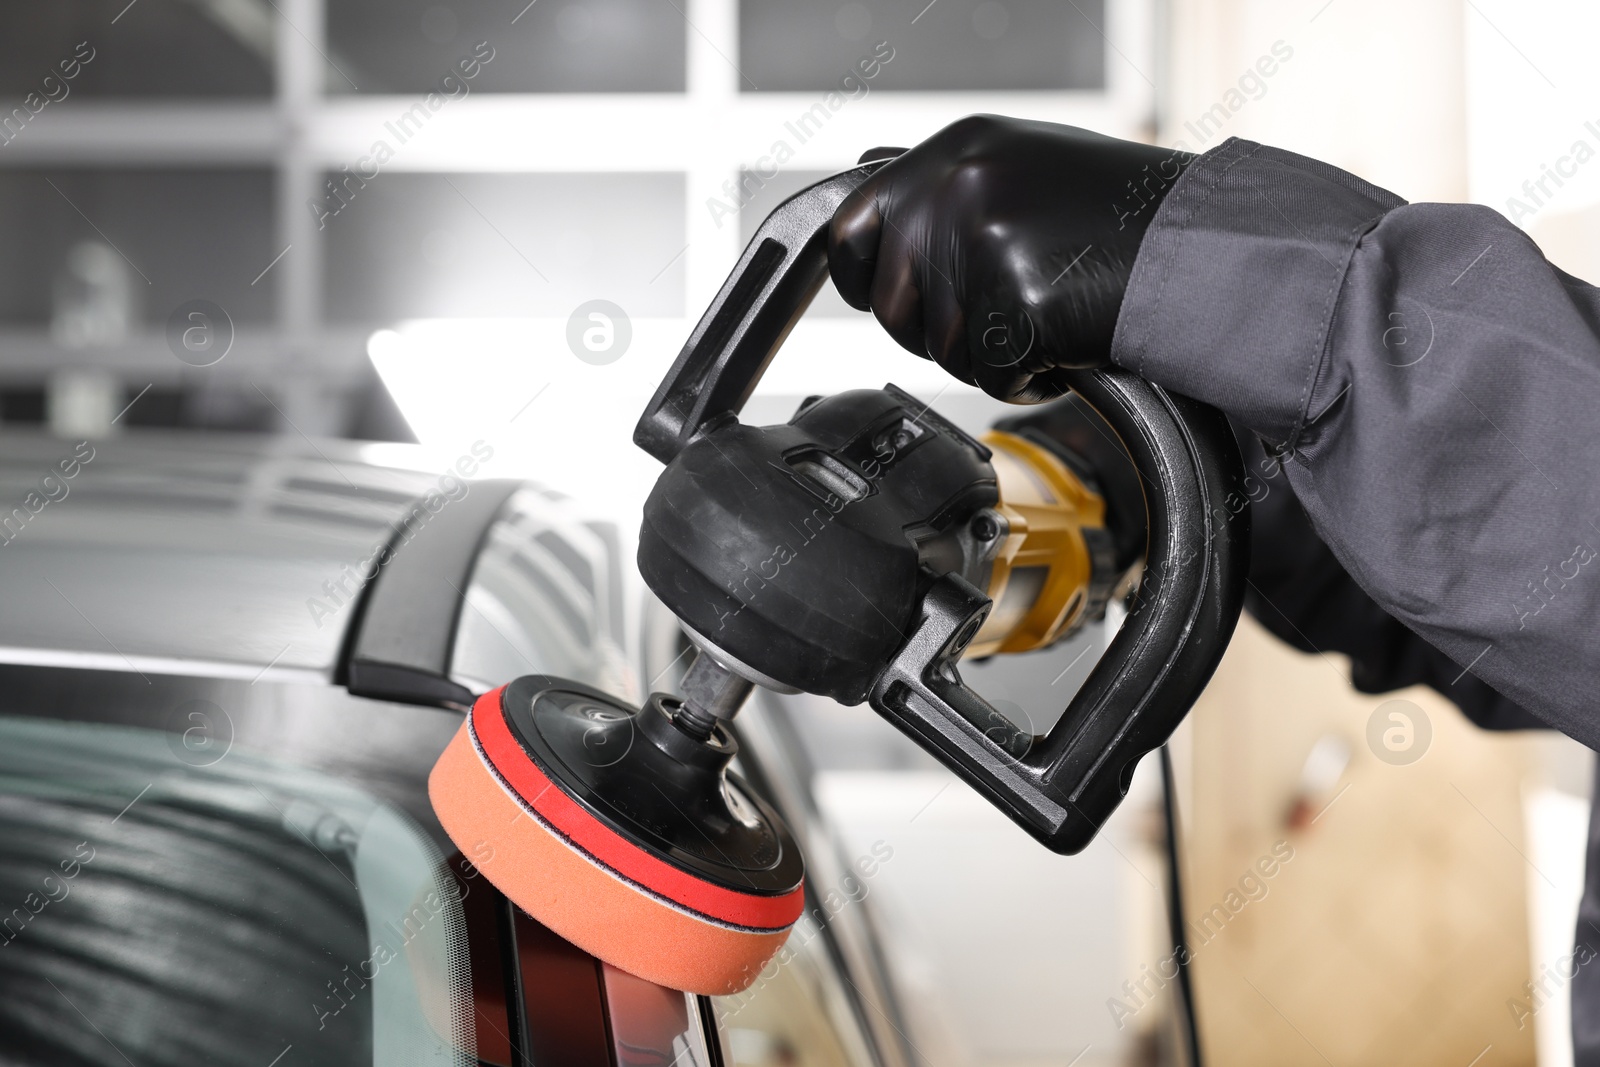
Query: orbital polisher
x: 859, y: 552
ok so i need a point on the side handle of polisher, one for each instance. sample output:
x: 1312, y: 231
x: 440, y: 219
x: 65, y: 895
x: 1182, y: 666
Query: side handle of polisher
x: 770, y: 287
x: 1061, y: 786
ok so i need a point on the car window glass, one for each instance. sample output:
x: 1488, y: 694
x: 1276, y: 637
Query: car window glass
x: 449, y: 245
x: 473, y: 46
x: 162, y: 49
x: 539, y: 603
x: 162, y: 903
x: 796, y: 1014
x: 858, y: 47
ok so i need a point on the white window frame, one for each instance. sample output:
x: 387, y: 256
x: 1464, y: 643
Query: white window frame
x: 708, y: 133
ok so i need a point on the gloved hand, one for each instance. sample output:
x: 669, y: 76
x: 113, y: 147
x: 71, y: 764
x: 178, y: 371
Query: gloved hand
x: 1001, y: 247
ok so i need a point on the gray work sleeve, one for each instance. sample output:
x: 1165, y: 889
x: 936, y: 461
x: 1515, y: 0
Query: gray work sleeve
x: 1431, y: 384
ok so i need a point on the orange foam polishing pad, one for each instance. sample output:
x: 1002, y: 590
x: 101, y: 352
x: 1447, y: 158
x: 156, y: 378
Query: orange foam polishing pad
x: 613, y: 896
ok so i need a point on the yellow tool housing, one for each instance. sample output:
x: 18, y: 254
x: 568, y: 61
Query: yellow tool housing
x: 1054, y: 553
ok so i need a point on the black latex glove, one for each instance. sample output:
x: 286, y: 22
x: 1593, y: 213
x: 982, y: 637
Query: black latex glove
x: 1001, y: 247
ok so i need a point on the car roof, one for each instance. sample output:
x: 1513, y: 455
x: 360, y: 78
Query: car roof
x: 199, y: 553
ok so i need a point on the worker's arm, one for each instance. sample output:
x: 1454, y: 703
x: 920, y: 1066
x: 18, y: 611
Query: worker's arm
x: 1430, y: 381
x: 1305, y: 597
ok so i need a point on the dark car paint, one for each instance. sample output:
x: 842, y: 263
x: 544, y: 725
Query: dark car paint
x: 236, y: 504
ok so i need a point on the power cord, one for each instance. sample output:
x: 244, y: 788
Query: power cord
x: 1189, y: 1025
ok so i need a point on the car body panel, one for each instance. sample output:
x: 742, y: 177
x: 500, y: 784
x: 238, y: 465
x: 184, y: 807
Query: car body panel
x: 165, y: 592
x: 200, y: 551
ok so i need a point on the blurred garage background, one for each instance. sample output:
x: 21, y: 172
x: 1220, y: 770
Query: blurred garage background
x: 391, y: 219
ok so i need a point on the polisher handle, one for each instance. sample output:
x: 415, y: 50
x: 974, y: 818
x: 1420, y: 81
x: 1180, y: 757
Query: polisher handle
x: 1063, y: 785
x: 781, y: 269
